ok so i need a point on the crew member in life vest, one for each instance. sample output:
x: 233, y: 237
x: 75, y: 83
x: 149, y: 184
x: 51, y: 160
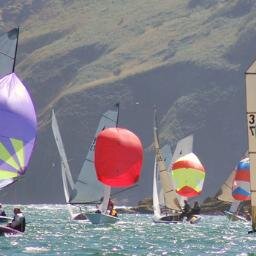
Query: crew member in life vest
x: 111, y: 209
x: 18, y: 222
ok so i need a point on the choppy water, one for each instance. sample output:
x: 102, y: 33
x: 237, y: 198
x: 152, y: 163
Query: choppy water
x: 49, y: 232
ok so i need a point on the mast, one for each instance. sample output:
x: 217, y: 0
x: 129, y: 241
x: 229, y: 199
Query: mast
x: 250, y: 79
x: 117, y: 106
x: 16, y: 49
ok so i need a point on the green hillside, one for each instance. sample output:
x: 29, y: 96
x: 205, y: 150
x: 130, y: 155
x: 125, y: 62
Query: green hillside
x: 188, y: 57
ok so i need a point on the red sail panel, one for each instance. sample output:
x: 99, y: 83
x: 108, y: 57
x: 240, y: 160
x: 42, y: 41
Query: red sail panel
x: 118, y: 157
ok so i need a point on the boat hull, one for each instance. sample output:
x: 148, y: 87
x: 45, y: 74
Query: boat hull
x: 100, y: 218
x: 168, y: 219
x: 174, y: 219
x: 9, y: 231
x: 234, y: 217
x: 5, y: 219
x: 79, y: 217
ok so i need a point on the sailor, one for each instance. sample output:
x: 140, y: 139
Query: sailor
x: 18, y: 221
x: 186, y: 209
x: 113, y: 212
x: 2, y: 212
x: 111, y: 209
x: 196, y: 208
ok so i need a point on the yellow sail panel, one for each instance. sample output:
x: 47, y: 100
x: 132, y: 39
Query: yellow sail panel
x: 7, y: 157
x: 251, y: 130
x: 7, y: 175
x: 18, y: 145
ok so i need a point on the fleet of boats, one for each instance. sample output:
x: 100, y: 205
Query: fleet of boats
x: 115, y: 157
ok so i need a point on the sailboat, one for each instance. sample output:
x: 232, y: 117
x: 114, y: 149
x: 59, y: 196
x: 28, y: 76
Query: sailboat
x: 118, y: 163
x: 18, y: 119
x: 250, y: 77
x: 87, y: 190
x: 225, y: 195
x: 240, y: 189
x: 167, y: 203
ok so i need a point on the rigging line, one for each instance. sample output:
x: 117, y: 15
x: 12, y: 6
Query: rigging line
x: 7, y: 55
x: 123, y: 190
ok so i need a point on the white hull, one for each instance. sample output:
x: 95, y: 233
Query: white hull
x: 5, y: 219
x: 100, y: 218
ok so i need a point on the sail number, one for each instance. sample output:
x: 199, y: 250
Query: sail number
x: 251, y: 124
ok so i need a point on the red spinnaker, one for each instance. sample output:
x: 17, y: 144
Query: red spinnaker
x: 118, y: 157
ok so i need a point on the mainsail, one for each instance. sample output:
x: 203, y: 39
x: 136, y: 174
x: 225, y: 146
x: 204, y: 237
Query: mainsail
x: 65, y: 170
x: 17, y: 129
x: 8, y: 50
x: 170, y: 196
x: 225, y: 193
x: 158, y: 198
x: 251, y: 130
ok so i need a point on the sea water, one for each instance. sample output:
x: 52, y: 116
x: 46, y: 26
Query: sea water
x: 49, y: 232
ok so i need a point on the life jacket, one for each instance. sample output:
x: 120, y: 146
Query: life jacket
x: 20, y: 222
x: 113, y: 212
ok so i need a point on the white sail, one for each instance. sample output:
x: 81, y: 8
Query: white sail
x: 225, y: 193
x: 170, y: 196
x: 158, y: 198
x: 67, y: 179
x: 156, y: 206
x: 251, y: 129
x: 183, y: 147
x: 104, y: 205
x: 66, y: 191
x: 64, y: 163
x: 234, y: 206
x: 87, y: 188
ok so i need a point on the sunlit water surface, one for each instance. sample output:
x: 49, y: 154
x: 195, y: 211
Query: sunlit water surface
x: 49, y: 232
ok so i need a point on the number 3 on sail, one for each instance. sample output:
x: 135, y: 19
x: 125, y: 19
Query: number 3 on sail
x: 251, y: 123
